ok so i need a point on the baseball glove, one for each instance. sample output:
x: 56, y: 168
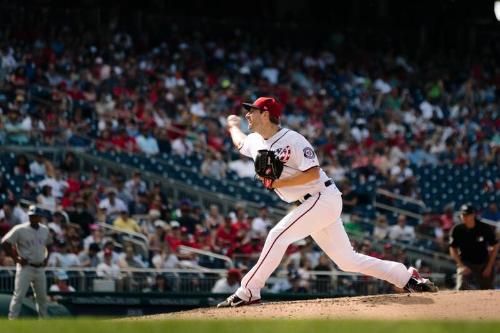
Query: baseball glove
x: 268, y: 167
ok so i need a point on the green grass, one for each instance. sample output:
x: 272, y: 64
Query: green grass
x: 88, y: 325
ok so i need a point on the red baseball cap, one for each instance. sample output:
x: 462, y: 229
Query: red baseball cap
x: 265, y: 104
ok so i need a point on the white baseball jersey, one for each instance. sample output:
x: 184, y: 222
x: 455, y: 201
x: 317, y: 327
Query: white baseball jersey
x: 31, y: 244
x: 297, y: 155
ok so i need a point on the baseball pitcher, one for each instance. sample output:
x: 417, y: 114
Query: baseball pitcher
x: 286, y: 163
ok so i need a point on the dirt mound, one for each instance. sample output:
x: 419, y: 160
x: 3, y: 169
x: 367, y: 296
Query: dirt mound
x: 442, y: 305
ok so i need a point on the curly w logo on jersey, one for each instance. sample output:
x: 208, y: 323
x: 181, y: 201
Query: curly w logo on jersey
x: 283, y: 154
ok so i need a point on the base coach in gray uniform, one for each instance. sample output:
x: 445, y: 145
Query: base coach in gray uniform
x: 27, y: 244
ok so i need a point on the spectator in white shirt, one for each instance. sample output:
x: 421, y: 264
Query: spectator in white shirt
x: 401, y: 231
x: 61, y: 284
x: 262, y: 223
x: 59, y: 220
x: 37, y: 167
x: 359, y: 132
x: 214, y: 166
x: 55, y: 181
x: 46, y: 200
x: 166, y: 259
x: 229, y: 284
x: 107, y: 269
x: 113, y: 205
x: 135, y: 185
x: 401, y: 171
x: 244, y: 167
x: 13, y: 214
x: 88, y: 258
x: 381, y: 229
x: 96, y: 236
x: 182, y: 147
x: 109, y: 246
x: 63, y: 258
x: 147, y: 142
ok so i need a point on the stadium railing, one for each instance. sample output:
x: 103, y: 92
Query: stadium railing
x: 202, y: 280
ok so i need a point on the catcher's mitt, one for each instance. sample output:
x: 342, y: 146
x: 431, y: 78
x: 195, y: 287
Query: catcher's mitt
x: 268, y: 166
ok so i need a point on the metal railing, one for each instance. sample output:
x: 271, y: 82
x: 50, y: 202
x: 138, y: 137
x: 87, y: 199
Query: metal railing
x: 137, y: 238
x: 189, y: 249
x: 401, y: 197
x: 495, y: 224
x: 397, y: 210
x: 194, y: 281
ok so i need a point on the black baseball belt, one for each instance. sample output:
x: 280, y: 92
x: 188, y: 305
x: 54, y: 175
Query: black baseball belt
x: 36, y: 265
x: 308, y: 195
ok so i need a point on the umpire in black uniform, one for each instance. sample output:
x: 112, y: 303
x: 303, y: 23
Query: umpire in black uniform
x: 474, y: 248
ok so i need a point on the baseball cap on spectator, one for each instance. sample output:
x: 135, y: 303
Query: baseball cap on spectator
x: 265, y: 104
x: 160, y: 224
x: 175, y: 224
x: 61, y: 275
x: 111, y: 190
x: 63, y: 214
x: 234, y: 272
x: 154, y: 213
x: 360, y: 122
x: 185, y: 202
x: 94, y: 226
x: 94, y: 247
x: 467, y: 208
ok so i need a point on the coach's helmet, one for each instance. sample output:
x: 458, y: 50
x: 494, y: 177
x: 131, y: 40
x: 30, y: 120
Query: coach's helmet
x: 34, y: 210
x: 467, y: 209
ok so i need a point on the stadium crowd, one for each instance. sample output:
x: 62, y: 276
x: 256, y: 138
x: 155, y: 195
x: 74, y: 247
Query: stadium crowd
x: 373, y: 112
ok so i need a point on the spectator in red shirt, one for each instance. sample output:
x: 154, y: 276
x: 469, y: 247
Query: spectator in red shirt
x: 240, y: 218
x: 447, y: 218
x: 187, y: 239
x: 123, y: 142
x: 104, y: 142
x: 173, y: 237
x: 225, y: 235
x: 205, y: 241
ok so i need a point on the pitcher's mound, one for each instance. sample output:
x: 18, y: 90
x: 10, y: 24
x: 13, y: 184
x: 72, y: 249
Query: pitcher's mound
x: 442, y: 305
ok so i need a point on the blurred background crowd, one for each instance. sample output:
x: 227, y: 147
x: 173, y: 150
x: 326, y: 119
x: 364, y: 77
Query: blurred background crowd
x: 378, y: 107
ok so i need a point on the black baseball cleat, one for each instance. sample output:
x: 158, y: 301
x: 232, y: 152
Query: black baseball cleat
x: 417, y: 284
x: 234, y: 301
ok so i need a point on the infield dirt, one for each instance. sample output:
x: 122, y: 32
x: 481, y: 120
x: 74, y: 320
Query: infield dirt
x: 454, y: 305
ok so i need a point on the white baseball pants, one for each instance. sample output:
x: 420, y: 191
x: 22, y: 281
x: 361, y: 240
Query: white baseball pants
x: 319, y: 217
x: 26, y: 275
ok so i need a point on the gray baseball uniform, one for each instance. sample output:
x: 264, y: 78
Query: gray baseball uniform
x: 31, y: 244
